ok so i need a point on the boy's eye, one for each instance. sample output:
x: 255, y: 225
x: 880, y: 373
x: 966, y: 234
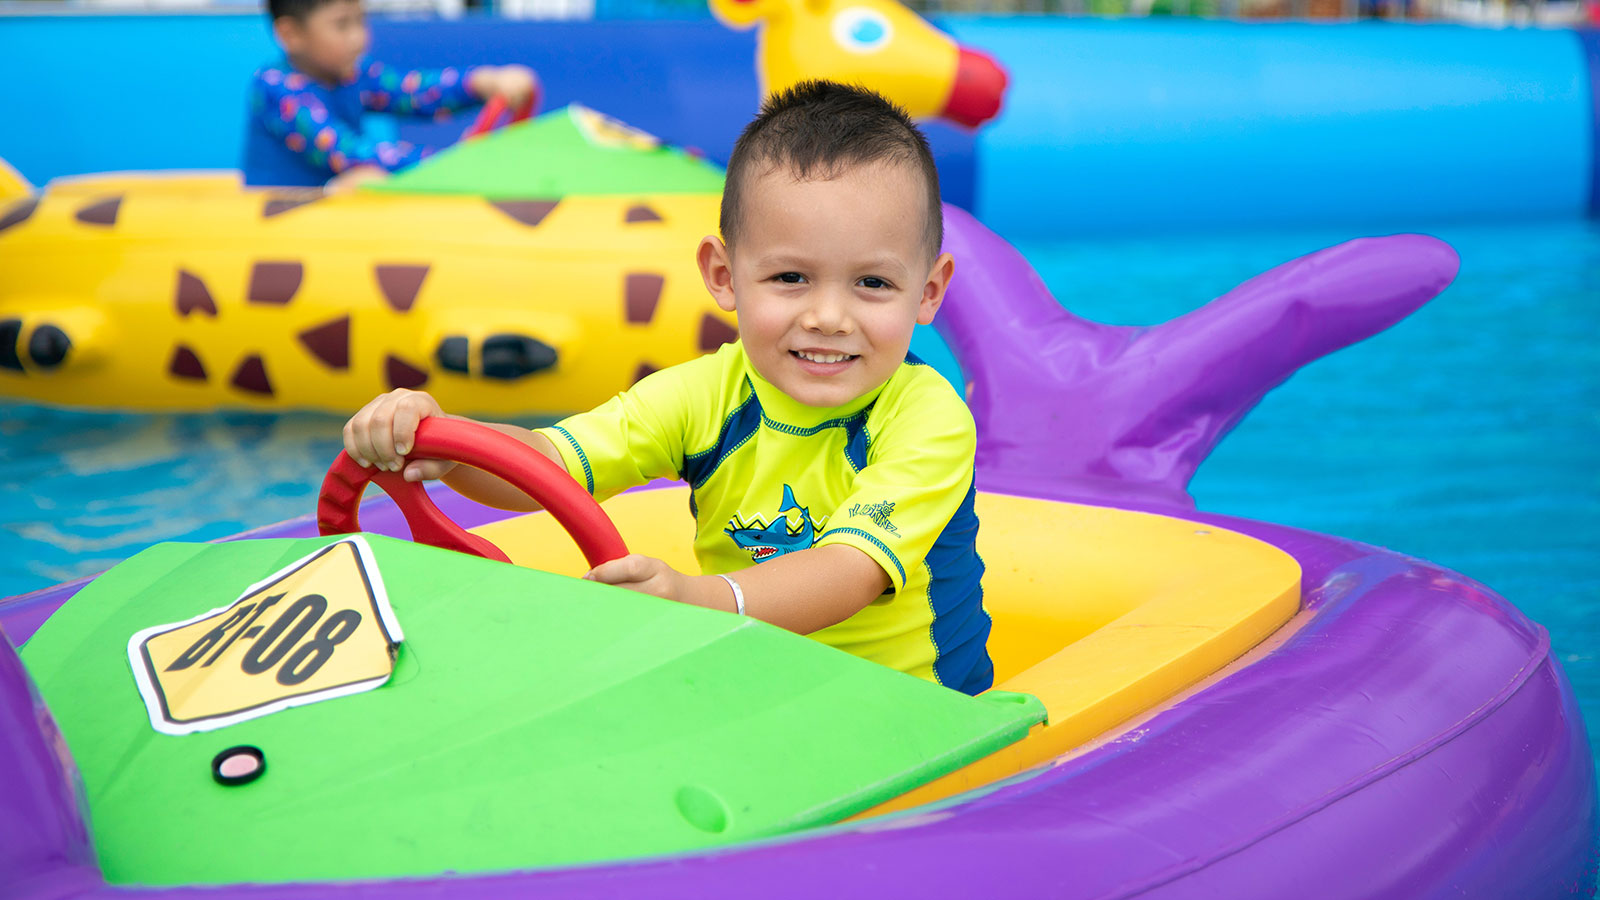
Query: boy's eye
x: 873, y: 282
x: 792, y: 278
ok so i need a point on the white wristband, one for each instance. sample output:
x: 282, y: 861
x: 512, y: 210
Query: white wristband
x: 738, y: 595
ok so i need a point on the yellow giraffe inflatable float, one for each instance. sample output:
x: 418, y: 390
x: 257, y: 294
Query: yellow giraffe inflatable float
x: 190, y: 292
x: 187, y: 291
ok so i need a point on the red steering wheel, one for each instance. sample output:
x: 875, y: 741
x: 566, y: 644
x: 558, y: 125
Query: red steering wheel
x: 483, y: 448
x: 489, y: 117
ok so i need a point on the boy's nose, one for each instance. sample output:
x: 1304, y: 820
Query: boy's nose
x: 826, y: 315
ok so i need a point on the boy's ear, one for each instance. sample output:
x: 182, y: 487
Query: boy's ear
x: 933, y: 291
x: 289, y: 33
x: 716, y: 268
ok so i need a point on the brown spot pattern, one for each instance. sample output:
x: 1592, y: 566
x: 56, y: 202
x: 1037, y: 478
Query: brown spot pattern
x: 274, y: 283
x: 329, y: 342
x: 19, y: 212
x: 192, y: 295
x: 252, y: 376
x: 278, y: 205
x: 641, y: 213
x: 400, y: 284
x: 528, y: 212
x: 402, y: 374
x: 101, y: 212
x: 714, y: 333
x: 644, y: 370
x: 186, y: 364
x: 641, y: 293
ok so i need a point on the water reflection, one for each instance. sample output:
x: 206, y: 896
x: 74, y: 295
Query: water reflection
x: 82, y: 490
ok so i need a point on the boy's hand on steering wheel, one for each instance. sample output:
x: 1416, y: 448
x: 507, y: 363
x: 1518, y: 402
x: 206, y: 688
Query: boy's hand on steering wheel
x: 644, y: 574
x: 382, y: 433
x: 515, y: 83
x: 649, y: 575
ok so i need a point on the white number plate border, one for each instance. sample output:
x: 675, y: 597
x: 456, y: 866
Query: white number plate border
x: 151, y: 696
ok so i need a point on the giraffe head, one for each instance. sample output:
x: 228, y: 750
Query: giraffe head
x: 876, y: 43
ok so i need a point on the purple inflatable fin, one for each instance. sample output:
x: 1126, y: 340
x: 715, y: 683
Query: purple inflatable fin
x: 45, y: 848
x: 1112, y: 414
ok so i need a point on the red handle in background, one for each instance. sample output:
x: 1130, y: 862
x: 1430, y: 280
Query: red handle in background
x: 482, y: 448
x: 489, y: 116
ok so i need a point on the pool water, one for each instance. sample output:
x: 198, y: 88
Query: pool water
x: 1466, y: 435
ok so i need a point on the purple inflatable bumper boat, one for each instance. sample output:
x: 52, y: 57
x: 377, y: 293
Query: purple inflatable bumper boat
x: 1407, y: 735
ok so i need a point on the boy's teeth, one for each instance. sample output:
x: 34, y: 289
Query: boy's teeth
x: 823, y: 357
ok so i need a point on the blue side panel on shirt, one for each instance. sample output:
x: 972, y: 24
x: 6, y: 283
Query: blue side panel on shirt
x: 856, y: 442
x: 960, y: 625
x: 736, y: 429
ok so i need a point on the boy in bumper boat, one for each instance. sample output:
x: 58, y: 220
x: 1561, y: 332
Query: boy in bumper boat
x: 831, y: 471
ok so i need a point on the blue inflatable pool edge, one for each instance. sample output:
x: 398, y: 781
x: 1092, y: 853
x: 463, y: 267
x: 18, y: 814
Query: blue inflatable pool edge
x: 1130, y: 126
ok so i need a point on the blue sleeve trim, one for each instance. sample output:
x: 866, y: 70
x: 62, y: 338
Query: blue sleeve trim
x: 588, y: 473
x: 858, y: 443
x: 876, y: 543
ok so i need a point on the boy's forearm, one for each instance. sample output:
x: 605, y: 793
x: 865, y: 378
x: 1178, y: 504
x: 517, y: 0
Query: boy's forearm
x: 481, y: 487
x: 805, y: 591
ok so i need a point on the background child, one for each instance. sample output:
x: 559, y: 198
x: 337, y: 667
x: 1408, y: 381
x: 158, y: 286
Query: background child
x: 831, y: 473
x: 305, y: 110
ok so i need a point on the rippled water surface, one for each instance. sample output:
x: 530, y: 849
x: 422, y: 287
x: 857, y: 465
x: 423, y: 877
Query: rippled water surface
x: 1466, y: 435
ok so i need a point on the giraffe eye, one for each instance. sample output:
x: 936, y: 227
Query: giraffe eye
x: 861, y: 30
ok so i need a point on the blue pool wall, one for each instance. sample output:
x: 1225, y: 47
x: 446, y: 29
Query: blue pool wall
x: 1217, y: 125
x: 1590, y: 39
x: 1110, y: 126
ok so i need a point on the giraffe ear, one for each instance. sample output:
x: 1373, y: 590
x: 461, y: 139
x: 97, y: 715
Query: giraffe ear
x: 742, y: 14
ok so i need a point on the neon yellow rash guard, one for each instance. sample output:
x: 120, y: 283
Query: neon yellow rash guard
x: 889, y: 473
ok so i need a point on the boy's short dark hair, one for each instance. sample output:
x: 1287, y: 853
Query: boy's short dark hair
x: 294, y: 9
x: 815, y: 129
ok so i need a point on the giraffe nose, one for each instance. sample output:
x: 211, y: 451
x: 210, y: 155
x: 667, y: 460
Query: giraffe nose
x: 980, y: 85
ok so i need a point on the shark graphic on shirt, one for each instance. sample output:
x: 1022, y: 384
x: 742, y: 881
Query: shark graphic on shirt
x: 768, y: 541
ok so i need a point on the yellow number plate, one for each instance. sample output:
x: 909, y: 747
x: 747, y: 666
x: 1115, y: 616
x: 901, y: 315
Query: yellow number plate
x: 318, y: 629
x: 602, y: 130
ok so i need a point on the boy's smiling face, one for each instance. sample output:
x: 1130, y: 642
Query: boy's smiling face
x: 327, y: 42
x: 828, y: 277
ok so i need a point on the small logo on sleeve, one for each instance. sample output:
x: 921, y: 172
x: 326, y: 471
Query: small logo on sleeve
x: 879, y: 513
